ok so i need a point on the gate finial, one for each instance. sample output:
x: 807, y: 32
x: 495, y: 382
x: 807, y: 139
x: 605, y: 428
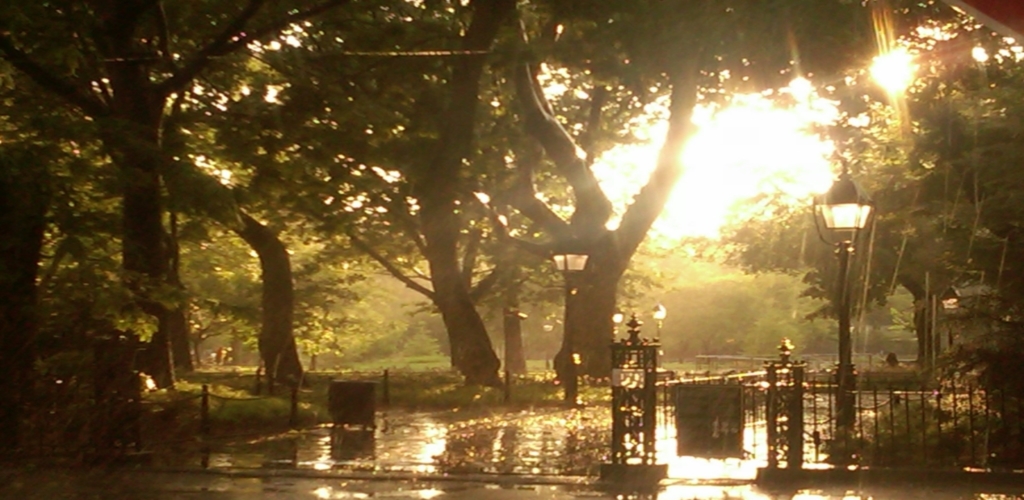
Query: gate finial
x: 634, y: 330
x: 785, y: 350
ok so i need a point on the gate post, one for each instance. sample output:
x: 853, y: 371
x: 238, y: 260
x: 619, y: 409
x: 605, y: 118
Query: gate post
x: 785, y: 415
x: 634, y: 411
x: 795, y: 413
x: 772, y: 415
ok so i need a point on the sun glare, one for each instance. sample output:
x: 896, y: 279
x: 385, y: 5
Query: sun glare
x: 754, y: 145
x: 894, y: 70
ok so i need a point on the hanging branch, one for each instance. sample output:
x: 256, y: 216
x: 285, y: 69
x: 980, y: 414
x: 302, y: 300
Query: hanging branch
x: 234, y: 37
x: 388, y: 265
x: 504, y: 234
x: 49, y: 81
x: 484, y: 286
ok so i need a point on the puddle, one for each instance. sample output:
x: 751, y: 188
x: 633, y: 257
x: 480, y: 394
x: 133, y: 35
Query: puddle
x: 541, y: 443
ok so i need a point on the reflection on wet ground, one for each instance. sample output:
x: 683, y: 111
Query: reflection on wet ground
x: 259, y: 484
x: 552, y: 442
x: 548, y: 454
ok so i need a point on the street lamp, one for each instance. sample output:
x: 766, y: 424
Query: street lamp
x: 845, y: 209
x: 570, y: 264
x: 659, y: 314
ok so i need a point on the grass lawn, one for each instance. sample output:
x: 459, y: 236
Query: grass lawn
x: 235, y: 407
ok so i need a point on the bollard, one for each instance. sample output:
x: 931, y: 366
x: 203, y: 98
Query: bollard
x: 204, y: 412
x: 385, y: 390
x: 508, y: 386
x: 293, y: 416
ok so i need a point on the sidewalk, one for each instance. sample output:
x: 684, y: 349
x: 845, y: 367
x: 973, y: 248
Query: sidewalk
x: 550, y: 445
x: 551, y: 454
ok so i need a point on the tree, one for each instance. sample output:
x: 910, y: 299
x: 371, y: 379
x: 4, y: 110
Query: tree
x: 925, y: 157
x: 24, y: 201
x: 626, y: 55
x: 122, y: 69
x: 381, y: 145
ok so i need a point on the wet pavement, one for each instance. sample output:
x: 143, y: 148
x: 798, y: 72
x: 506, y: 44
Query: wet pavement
x: 132, y: 484
x: 545, y: 445
x: 546, y: 454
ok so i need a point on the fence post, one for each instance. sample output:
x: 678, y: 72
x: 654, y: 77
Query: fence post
x: 508, y: 386
x: 293, y: 415
x: 204, y: 412
x: 259, y: 381
x: 386, y: 390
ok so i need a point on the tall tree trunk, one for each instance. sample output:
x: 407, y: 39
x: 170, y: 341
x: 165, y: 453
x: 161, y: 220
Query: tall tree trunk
x: 588, y: 314
x: 276, y: 342
x: 237, y: 349
x: 512, y: 326
x: 917, y: 291
x: 178, y: 327
x: 144, y: 257
x: 23, y: 205
x: 438, y: 185
x: 471, y: 349
x: 178, y: 335
x: 132, y: 136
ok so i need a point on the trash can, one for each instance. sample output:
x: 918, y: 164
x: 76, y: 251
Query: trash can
x: 352, y: 403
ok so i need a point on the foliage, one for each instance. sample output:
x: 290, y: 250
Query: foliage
x: 733, y: 313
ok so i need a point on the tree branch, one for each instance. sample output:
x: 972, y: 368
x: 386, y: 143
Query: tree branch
x: 523, y: 196
x: 592, y: 206
x: 233, y: 38
x: 388, y: 265
x: 501, y: 226
x: 484, y: 286
x: 49, y: 81
x: 648, y: 204
x: 470, y: 255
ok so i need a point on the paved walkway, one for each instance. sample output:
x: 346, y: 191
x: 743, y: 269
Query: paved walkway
x: 563, y: 445
x: 145, y: 484
x: 550, y: 454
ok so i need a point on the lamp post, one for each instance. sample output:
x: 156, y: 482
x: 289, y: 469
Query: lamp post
x: 659, y: 314
x: 617, y: 320
x: 570, y: 264
x: 845, y: 209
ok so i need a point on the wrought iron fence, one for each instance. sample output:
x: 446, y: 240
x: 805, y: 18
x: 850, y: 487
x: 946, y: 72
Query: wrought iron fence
x: 901, y: 422
x: 954, y: 425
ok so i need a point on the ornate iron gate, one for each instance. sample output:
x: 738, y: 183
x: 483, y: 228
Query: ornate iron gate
x: 634, y: 409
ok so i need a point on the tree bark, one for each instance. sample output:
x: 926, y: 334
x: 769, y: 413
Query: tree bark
x: 512, y: 326
x: 438, y: 186
x: 143, y: 248
x: 917, y: 291
x: 590, y: 305
x: 23, y: 206
x: 276, y: 341
x: 178, y: 325
x: 589, y: 327
x: 131, y: 131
